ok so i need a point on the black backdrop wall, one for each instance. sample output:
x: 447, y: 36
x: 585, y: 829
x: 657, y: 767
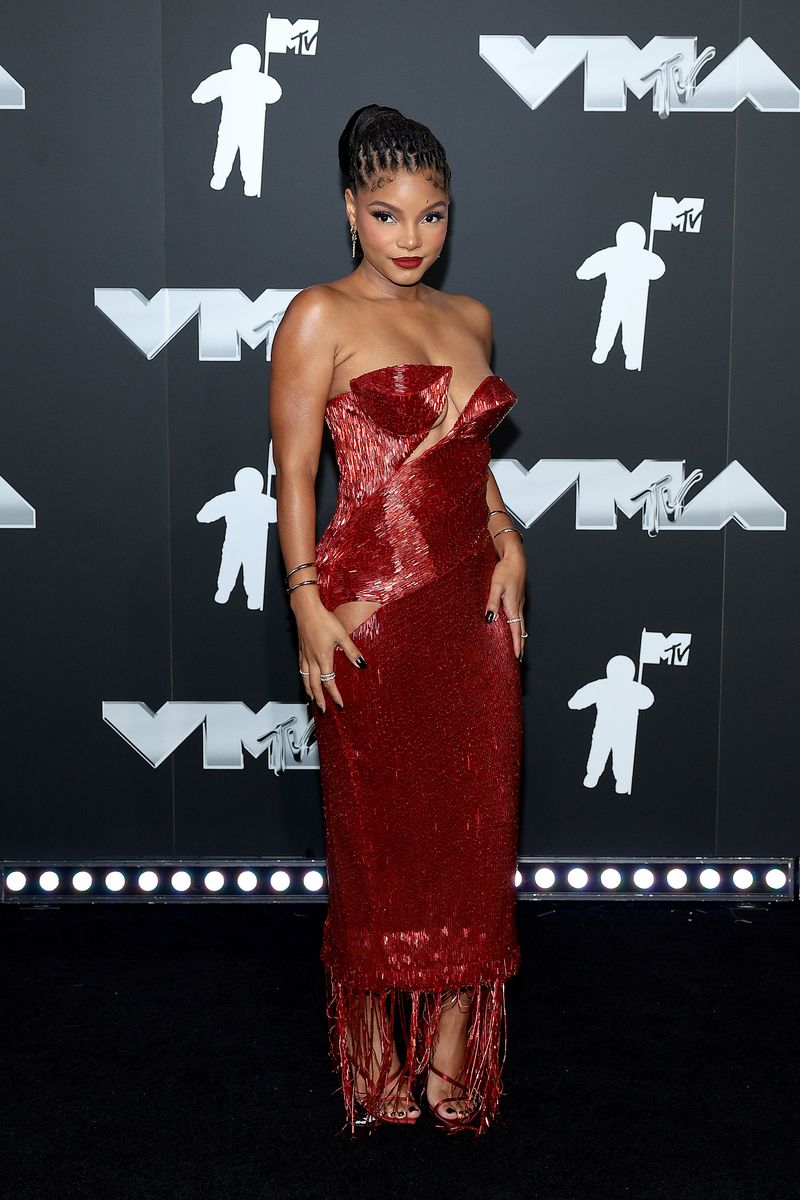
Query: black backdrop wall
x: 628, y: 210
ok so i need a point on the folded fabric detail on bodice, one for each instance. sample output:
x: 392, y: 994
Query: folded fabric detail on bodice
x: 397, y: 523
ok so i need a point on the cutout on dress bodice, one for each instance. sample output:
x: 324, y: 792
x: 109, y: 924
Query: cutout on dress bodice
x: 379, y: 427
x: 353, y: 613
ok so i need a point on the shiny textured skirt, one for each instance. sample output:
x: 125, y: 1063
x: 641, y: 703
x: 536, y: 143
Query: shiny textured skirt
x: 420, y: 777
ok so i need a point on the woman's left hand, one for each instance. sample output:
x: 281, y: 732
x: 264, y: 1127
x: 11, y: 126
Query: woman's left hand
x: 507, y: 589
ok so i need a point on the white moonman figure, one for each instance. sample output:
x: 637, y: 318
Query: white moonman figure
x: 248, y: 513
x: 618, y: 699
x: 245, y: 92
x: 628, y: 269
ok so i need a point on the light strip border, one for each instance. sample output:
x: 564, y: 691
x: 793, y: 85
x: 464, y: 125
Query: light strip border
x: 200, y: 870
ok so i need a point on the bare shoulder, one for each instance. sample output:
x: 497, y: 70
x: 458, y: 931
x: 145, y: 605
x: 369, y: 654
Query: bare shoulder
x: 310, y: 326
x: 304, y: 351
x: 474, y: 310
x: 472, y: 313
x: 312, y: 307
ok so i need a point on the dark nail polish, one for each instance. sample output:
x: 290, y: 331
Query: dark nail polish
x: 360, y: 662
x: 489, y: 615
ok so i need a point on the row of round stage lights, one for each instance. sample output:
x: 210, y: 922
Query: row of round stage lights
x: 645, y: 880
x: 181, y: 881
x: 280, y: 880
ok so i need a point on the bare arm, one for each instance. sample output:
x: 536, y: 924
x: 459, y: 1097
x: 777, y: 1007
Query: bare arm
x: 300, y: 379
x: 508, y: 581
x: 505, y: 542
x: 303, y: 355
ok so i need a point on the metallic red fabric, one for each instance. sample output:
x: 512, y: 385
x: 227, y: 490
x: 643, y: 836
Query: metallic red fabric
x: 420, y: 770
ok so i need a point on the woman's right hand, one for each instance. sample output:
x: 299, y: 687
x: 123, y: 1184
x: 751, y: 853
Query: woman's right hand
x: 319, y: 632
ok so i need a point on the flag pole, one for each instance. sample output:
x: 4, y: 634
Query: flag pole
x: 650, y: 248
x: 264, y: 136
x: 636, y: 734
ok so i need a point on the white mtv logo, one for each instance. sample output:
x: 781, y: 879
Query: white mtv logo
x: 656, y: 489
x: 629, y: 267
x: 618, y: 698
x: 667, y: 66
x: 245, y: 91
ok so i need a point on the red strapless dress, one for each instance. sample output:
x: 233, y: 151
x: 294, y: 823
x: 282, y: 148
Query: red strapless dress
x: 420, y: 769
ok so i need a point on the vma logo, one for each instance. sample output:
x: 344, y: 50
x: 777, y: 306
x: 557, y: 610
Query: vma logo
x: 283, y: 730
x: 656, y: 489
x: 12, y: 94
x: 667, y: 66
x: 226, y: 318
x: 15, y: 511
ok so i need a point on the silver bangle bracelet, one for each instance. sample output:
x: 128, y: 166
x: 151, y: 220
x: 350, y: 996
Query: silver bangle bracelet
x: 298, y: 568
x: 303, y: 584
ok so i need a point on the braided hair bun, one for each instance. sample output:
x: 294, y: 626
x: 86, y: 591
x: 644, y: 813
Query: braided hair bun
x: 378, y: 140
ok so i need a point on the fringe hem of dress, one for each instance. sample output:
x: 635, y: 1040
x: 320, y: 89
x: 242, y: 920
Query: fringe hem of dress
x: 360, y: 1018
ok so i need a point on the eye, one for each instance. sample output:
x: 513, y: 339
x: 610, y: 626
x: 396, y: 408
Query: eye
x: 380, y: 213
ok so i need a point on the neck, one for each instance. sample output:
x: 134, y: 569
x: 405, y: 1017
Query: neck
x: 375, y: 286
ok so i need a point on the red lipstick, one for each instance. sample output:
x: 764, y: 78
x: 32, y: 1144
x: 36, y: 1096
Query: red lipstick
x: 408, y: 263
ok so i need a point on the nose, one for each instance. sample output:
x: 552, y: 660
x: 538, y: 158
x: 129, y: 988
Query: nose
x: 409, y: 239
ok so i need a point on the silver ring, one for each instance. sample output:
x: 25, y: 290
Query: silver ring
x: 302, y: 672
x: 511, y: 620
x: 330, y: 675
x: 524, y: 635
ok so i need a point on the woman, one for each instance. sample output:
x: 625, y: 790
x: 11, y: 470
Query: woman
x: 410, y: 626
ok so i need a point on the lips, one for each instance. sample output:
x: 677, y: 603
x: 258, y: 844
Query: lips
x: 408, y: 263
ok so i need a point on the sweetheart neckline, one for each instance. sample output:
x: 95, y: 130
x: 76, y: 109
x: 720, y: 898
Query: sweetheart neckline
x: 394, y: 366
x: 410, y: 462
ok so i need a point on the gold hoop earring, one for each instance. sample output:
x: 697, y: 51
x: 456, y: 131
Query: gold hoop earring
x: 353, y: 233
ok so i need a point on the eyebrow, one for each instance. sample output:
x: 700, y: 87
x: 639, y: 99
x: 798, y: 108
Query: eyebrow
x: 394, y: 207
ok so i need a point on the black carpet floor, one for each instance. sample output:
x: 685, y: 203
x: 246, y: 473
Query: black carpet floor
x: 180, y: 1051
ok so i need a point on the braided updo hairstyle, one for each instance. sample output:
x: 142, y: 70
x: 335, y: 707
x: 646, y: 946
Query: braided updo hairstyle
x: 377, y: 141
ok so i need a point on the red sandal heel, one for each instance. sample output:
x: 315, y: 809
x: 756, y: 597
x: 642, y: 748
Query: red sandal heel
x: 465, y: 1121
x: 381, y: 1116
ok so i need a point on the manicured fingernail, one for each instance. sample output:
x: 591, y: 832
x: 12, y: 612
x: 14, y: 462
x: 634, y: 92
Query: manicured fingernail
x: 360, y: 662
x: 489, y: 615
